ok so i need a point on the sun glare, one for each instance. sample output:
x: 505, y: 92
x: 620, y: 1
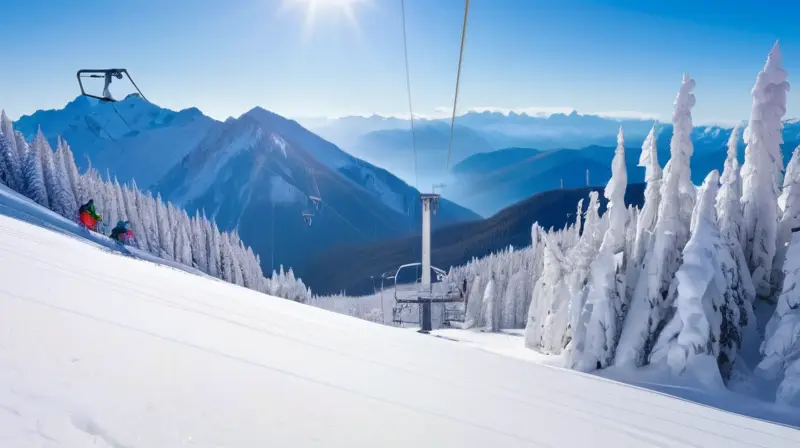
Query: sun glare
x: 316, y: 9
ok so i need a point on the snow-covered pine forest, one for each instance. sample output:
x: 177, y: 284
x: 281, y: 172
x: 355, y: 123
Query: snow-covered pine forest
x: 51, y: 179
x: 701, y: 281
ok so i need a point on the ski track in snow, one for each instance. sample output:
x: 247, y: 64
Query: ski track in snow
x: 98, y: 349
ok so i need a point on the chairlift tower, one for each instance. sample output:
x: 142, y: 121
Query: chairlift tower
x: 430, y: 203
x: 422, y: 292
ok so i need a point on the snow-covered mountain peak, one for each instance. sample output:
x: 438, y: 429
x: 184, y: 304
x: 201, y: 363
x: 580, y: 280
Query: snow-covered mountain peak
x: 131, y: 138
x: 107, y: 121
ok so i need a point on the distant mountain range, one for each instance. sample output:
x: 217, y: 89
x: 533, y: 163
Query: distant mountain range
x: 489, y: 182
x: 388, y: 141
x: 499, y: 159
x: 246, y: 173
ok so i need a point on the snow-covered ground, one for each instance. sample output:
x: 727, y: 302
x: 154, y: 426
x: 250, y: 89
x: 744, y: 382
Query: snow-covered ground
x: 511, y: 343
x: 100, y: 349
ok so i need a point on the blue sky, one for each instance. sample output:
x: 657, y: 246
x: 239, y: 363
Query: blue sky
x: 225, y: 57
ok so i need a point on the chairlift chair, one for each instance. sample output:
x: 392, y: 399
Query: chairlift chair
x: 107, y: 75
x: 316, y: 200
x: 307, y: 217
x: 442, y: 292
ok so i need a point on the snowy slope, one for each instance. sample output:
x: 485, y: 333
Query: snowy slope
x: 98, y: 349
x: 131, y: 139
x: 13, y: 204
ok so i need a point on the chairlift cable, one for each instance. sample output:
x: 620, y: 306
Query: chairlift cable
x: 408, y: 88
x: 316, y: 185
x: 121, y: 118
x: 458, y: 81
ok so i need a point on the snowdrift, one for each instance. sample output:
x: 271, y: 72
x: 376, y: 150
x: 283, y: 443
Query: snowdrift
x: 101, y: 349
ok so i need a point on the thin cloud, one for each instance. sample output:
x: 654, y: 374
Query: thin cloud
x: 531, y: 111
x: 629, y: 114
x: 443, y: 112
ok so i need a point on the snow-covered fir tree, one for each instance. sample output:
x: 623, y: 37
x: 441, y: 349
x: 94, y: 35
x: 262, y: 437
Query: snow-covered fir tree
x: 782, y: 338
x: 109, y: 202
x: 7, y: 129
x: 651, y: 295
x: 474, y: 311
x: 763, y: 166
x: 546, y: 322
x: 199, y: 243
x: 122, y: 210
x: 652, y: 198
x: 165, y: 237
x: 731, y: 225
x: 693, y: 333
x: 583, y: 253
x: 71, y: 169
x: 605, y: 305
x: 214, y: 267
x: 9, y: 156
x: 729, y: 207
x: 490, y: 307
x: 789, y: 200
x: 67, y: 197
x: 35, y: 187
x: 55, y: 192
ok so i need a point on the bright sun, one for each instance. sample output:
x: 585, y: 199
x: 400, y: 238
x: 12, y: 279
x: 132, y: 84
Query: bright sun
x: 316, y: 8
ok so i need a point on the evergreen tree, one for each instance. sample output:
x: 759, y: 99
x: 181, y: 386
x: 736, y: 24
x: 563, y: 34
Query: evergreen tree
x: 490, y: 306
x: 148, y: 217
x: 9, y: 156
x: 474, y: 310
x: 763, y: 165
x: 35, y: 187
x: 73, y: 174
x: 695, y: 329
x: 729, y: 207
x: 652, y: 198
x: 22, y: 146
x: 226, y: 260
x: 615, y: 194
x: 199, y: 244
x: 134, y: 216
x: 66, y: 190
x: 54, y: 193
x: 605, y: 304
x: 582, y: 255
x: 651, y: 296
x: 111, y: 207
x: 790, y: 219
x: 183, y: 254
x: 544, y: 316
x: 782, y: 335
x: 214, y: 255
x: 731, y: 226
x: 165, y: 237
x: 7, y: 129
